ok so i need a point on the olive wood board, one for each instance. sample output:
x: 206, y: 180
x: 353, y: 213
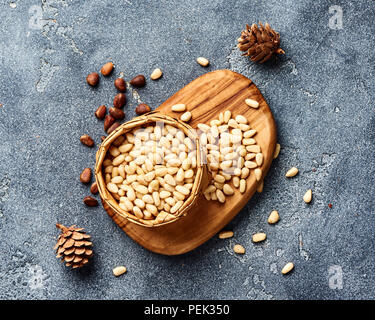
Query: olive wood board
x: 205, y: 97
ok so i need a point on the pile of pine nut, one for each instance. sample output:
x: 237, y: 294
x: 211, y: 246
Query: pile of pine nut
x: 151, y: 171
x: 231, y: 152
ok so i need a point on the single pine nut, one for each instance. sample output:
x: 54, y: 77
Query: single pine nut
x: 308, y: 195
x: 253, y: 148
x: 118, y: 271
x: 259, y: 159
x: 277, y: 151
x: 156, y: 74
x: 226, y: 234
x: 227, y: 189
x: 273, y: 217
x: 242, y: 185
x: 239, y: 249
x: 241, y: 119
x: 249, y: 133
x: 287, y: 268
x: 258, y: 174
x: 291, y: 172
x: 112, y: 187
x: 186, y: 117
x: 179, y: 107
x: 252, y: 103
x: 258, y: 237
x: 203, y: 61
x: 227, y: 116
x: 220, y: 195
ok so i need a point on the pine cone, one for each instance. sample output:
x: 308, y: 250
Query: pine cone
x: 260, y: 43
x: 73, y: 246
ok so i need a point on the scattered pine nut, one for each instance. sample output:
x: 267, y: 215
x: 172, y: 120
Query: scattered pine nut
x: 273, y: 217
x: 287, y: 268
x: 258, y: 237
x: 258, y: 174
x: 308, y: 196
x: 239, y: 249
x: 252, y: 103
x: 156, y: 74
x: 226, y: 234
x: 186, y: 117
x: 203, y: 61
x: 179, y: 107
x: 291, y: 172
x: 277, y: 150
x: 118, y: 271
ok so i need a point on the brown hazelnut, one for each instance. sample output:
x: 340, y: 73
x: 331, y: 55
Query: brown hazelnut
x: 119, y: 100
x: 106, y: 70
x: 138, y: 81
x: 142, y: 108
x: 120, y: 84
x: 92, y: 79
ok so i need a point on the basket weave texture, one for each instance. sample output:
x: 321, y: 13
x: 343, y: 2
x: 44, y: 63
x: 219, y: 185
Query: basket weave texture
x: 142, y: 121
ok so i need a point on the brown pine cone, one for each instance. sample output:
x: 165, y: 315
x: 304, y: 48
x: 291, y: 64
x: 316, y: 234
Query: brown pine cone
x: 73, y: 246
x: 259, y: 43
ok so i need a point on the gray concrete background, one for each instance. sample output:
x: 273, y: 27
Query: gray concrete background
x: 321, y: 93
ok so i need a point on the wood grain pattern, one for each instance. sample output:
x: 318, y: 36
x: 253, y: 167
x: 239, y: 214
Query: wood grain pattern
x: 205, y: 98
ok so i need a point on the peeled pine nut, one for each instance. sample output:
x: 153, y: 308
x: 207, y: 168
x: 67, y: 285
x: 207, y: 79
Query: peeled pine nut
x: 259, y: 159
x: 258, y: 174
x: 156, y: 74
x: 239, y: 249
x: 291, y: 172
x: 186, y: 117
x: 118, y: 271
x: 277, y: 151
x: 203, y: 61
x: 226, y: 234
x: 308, y: 196
x: 273, y: 217
x: 220, y: 195
x: 179, y: 107
x: 252, y: 103
x: 241, y: 119
x: 258, y: 237
x: 287, y: 268
x: 227, y: 189
x: 249, y: 133
x: 242, y: 185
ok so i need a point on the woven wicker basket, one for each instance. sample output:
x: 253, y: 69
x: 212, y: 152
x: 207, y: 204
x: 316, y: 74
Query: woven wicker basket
x: 200, y: 180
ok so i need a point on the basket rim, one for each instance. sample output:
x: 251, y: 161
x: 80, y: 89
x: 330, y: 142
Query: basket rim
x: 152, y: 117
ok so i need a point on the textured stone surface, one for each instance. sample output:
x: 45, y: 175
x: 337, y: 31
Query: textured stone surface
x: 321, y: 93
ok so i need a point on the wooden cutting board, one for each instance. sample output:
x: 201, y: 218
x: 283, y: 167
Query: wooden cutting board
x: 205, y: 98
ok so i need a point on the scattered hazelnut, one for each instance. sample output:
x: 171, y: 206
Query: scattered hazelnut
x: 94, y: 188
x: 87, y: 140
